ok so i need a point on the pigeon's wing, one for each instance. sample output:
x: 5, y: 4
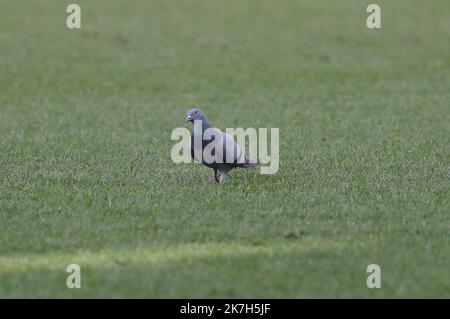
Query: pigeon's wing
x: 238, y: 155
x: 224, y: 149
x: 228, y: 150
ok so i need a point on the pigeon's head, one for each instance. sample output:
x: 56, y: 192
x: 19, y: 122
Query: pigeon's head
x: 195, y: 114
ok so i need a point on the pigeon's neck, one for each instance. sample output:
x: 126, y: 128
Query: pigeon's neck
x: 205, y: 125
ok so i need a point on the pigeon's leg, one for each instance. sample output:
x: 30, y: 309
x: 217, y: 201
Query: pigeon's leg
x: 216, y: 177
x: 223, y: 176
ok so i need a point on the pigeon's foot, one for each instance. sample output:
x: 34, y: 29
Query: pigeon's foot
x: 223, y: 177
x: 220, y: 176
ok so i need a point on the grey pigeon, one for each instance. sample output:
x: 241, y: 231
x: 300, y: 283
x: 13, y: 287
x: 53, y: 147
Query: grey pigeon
x: 238, y: 158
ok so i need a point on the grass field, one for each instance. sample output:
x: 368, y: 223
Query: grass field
x: 85, y: 169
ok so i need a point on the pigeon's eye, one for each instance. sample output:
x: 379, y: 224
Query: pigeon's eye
x: 196, y: 112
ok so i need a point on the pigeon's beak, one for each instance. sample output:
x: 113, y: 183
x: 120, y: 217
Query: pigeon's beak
x: 188, y: 118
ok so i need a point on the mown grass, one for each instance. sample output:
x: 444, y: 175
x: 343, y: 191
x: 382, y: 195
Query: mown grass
x: 86, y: 175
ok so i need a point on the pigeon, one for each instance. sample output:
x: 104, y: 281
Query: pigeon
x: 221, y: 168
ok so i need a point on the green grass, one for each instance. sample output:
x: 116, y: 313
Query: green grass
x: 85, y: 169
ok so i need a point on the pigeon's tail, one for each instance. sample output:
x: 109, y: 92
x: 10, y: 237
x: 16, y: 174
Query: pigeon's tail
x: 248, y: 163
